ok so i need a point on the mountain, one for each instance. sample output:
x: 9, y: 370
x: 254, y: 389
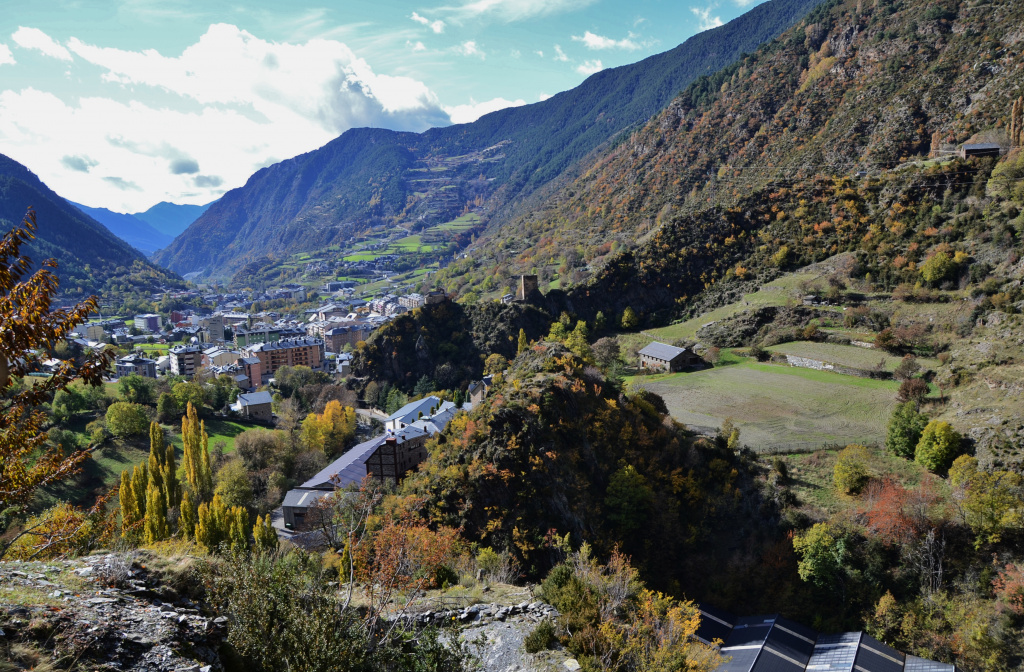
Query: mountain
x: 796, y: 152
x: 90, y: 258
x: 128, y: 228
x: 370, y: 177
x: 171, y: 219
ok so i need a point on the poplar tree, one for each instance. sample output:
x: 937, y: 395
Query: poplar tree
x: 156, y: 513
x: 140, y: 481
x: 197, y: 456
x: 188, y: 518
x: 214, y: 525
x: 264, y: 535
x: 238, y: 528
x: 129, y: 505
x: 171, y: 485
x: 523, y: 342
x: 157, y: 455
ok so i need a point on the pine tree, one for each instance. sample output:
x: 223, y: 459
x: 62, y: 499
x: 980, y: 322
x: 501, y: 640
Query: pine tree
x: 197, y: 455
x: 188, y: 517
x: 264, y: 535
x: 140, y: 481
x: 523, y: 342
x: 129, y: 505
x: 156, y: 513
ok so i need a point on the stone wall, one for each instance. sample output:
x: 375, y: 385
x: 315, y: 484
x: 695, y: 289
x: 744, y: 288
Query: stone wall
x: 818, y: 365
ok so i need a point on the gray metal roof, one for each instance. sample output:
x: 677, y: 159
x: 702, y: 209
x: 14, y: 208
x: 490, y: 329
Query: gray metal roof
x: 411, y: 411
x: 255, y: 398
x: 301, y: 498
x: 350, y: 468
x: 662, y: 351
x: 982, y: 145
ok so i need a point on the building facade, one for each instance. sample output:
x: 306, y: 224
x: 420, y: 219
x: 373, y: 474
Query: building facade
x: 136, y: 364
x: 186, y: 359
x: 667, y: 358
x: 148, y: 322
x: 288, y: 352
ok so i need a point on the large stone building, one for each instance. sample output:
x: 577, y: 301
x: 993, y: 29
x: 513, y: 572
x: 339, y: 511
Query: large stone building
x: 136, y: 364
x: 288, y: 352
x: 667, y: 358
x: 527, y: 285
x: 186, y: 359
x: 255, y: 406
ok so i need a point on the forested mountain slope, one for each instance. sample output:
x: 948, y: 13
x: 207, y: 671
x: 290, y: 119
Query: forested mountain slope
x: 375, y: 177
x: 767, y: 154
x: 128, y: 228
x: 91, y: 258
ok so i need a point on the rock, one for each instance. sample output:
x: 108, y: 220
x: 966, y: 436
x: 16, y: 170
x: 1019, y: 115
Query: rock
x: 571, y: 664
x: 101, y: 600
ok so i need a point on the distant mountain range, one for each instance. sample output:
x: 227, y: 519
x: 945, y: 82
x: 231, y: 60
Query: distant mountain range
x: 147, y: 231
x: 90, y: 258
x: 376, y: 177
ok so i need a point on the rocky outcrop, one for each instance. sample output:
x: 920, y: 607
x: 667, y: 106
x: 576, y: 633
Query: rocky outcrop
x: 106, y: 612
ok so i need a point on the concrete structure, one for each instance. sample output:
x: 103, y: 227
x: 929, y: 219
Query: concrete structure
x: 413, y: 411
x: 527, y: 285
x: 253, y: 370
x: 435, y: 296
x: 217, y: 356
x: 214, y: 324
x: 255, y: 406
x: 148, y: 322
x: 412, y: 301
x: 137, y: 364
x: 664, y: 357
x: 186, y: 359
x: 775, y: 644
x: 246, y: 337
x: 340, y: 335
x: 92, y: 332
x: 288, y: 352
x: 478, y: 390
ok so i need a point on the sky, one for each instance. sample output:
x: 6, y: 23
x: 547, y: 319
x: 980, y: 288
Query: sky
x: 125, y: 103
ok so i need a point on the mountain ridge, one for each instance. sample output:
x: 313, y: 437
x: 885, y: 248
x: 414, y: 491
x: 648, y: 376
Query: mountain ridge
x: 128, y: 228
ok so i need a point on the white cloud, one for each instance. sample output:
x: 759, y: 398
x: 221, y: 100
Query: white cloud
x: 436, y: 26
x: 589, y: 67
x: 33, y: 38
x: 540, y: 53
x: 706, y: 20
x: 513, y: 10
x: 470, y: 48
x: 464, y: 114
x: 6, y: 57
x: 592, y: 41
x: 560, y: 55
x: 243, y: 103
x: 544, y: 96
x: 416, y: 46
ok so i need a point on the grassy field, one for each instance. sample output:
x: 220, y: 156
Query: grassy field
x: 462, y: 223
x: 847, y: 355
x: 776, y: 406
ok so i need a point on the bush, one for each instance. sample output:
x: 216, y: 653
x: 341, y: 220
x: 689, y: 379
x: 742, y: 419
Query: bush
x: 851, y: 471
x: 126, y: 419
x: 913, y: 390
x: 904, y: 430
x: 938, y: 447
x: 541, y: 638
x: 445, y: 577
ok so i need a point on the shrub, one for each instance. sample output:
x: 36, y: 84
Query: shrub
x: 913, y: 390
x: 851, y: 471
x: 938, y: 447
x: 542, y: 637
x: 904, y: 430
x: 445, y: 576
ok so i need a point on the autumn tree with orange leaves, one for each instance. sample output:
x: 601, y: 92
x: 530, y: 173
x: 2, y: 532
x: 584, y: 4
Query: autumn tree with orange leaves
x: 29, y: 327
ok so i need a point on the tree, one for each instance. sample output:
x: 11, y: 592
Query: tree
x: 167, y: 407
x: 606, y: 351
x: 423, y: 387
x: 156, y: 513
x: 939, y: 445
x: 370, y: 393
x: 628, y: 501
x: 233, y: 484
x: 938, y: 268
x: 495, y: 363
x: 136, y: 389
x: 264, y: 535
x: 629, y: 318
x: 904, y: 430
x: 126, y: 419
x: 196, y: 456
x: 331, y: 430
x: 238, y: 528
x: 29, y: 329
x: 213, y: 526
x: 576, y: 341
x: 907, y: 368
x: 130, y: 512
x: 822, y: 551
x: 990, y: 502
x: 186, y: 393
x: 523, y: 343
x: 189, y: 517
x: 850, y: 473
x: 66, y: 403
x: 913, y: 391
x: 600, y: 322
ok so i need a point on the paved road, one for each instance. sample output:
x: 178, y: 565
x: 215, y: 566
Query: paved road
x: 372, y: 413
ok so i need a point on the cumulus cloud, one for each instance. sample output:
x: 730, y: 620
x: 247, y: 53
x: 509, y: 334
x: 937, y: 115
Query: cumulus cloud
x: 229, y: 103
x: 543, y: 96
x: 82, y: 164
x: 6, y: 57
x: 589, y: 67
x: 464, y: 114
x: 592, y: 41
x: 122, y: 184
x: 560, y: 55
x: 512, y: 10
x: 706, y: 21
x: 184, y: 166
x: 416, y: 46
x: 470, y: 48
x: 436, y: 26
x: 33, y: 38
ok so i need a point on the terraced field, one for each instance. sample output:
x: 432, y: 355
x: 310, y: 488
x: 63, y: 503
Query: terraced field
x: 847, y: 355
x: 779, y: 407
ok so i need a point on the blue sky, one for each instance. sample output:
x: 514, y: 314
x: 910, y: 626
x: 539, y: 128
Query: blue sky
x: 125, y: 103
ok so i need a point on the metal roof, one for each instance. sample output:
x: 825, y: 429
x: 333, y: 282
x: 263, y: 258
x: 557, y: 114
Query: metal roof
x: 411, y: 411
x: 255, y: 399
x: 350, y: 468
x: 301, y: 498
x: 662, y: 351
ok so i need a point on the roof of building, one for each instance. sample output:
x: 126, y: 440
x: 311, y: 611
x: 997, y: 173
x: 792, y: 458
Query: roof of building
x: 414, y: 409
x: 302, y: 498
x: 350, y: 468
x: 183, y: 349
x: 775, y: 644
x: 135, y: 358
x: 255, y: 399
x: 285, y: 344
x: 250, y: 360
x: 979, y: 146
x: 662, y: 351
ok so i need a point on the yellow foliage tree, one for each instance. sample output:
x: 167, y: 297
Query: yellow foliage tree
x: 238, y: 528
x: 130, y: 514
x: 264, y: 535
x: 187, y: 518
x: 197, y: 455
x: 213, y: 527
x: 331, y: 430
x: 156, y: 513
x: 140, y: 482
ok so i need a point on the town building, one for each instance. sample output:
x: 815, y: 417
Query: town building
x: 413, y: 411
x: 266, y: 334
x: 255, y: 406
x: 136, y: 364
x: 980, y: 149
x: 92, y: 332
x: 775, y: 644
x: 668, y: 358
x: 288, y: 352
x: 340, y: 335
x: 148, y: 322
x: 528, y: 284
x: 186, y: 359
x: 412, y: 301
x: 253, y: 370
x: 218, y: 356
